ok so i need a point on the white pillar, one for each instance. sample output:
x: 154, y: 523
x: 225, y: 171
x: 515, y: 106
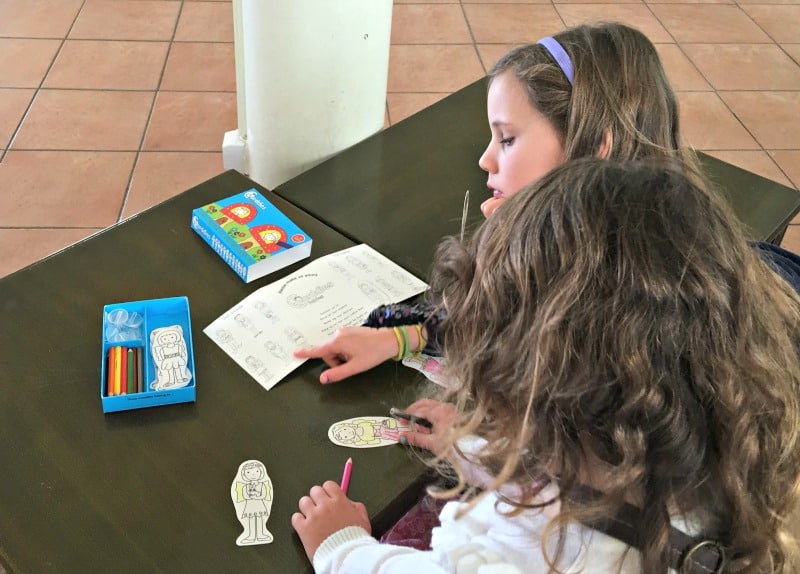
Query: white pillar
x: 311, y: 81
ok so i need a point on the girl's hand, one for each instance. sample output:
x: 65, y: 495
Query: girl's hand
x: 488, y: 206
x: 324, y: 511
x: 441, y: 415
x: 352, y: 350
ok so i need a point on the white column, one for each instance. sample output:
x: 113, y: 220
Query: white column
x: 311, y: 81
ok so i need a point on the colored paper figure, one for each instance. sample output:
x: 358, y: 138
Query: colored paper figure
x: 366, y: 432
x: 168, y: 348
x: 251, y: 493
x: 429, y: 366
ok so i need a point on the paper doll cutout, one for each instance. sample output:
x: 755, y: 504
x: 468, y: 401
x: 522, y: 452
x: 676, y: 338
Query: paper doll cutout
x: 251, y: 493
x: 429, y: 366
x: 168, y: 348
x: 366, y: 432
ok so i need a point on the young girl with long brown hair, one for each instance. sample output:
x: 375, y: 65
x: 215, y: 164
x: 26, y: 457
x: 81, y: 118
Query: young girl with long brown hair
x: 616, y: 353
x: 589, y: 91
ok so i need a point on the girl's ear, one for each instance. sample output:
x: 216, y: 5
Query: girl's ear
x: 604, y: 149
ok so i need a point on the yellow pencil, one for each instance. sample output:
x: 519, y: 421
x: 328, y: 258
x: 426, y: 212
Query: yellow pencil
x: 117, y: 370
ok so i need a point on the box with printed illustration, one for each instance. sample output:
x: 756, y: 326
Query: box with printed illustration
x: 148, y: 359
x: 250, y: 234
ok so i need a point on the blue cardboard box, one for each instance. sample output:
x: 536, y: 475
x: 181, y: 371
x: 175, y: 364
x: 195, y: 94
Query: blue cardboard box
x: 148, y: 358
x: 250, y: 234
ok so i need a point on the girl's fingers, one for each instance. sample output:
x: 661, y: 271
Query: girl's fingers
x: 318, y: 494
x: 332, y: 489
x: 306, y: 504
x: 419, y: 440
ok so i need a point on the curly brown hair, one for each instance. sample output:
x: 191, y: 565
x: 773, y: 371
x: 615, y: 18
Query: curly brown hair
x: 610, y: 324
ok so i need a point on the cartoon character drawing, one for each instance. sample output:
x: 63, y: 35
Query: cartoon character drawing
x: 339, y: 269
x: 275, y: 350
x: 272, y: 238
x: 247, y: 323
x: 226, y: 338
x: 252, y: 499
x: 402, y: 277
x: 168, y: 348
x: 256, y: 365
x: 357, y: 263
x: 385, y: 285
x: 366, y: 432
x: 429, y: 366
x: 296, y: 336
x: 265, y: 310
x: 371, y: 291
x: 241, y: 213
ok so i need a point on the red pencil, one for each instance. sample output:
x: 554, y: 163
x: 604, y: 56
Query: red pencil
x: 348, y: 468
x: 123, y: 381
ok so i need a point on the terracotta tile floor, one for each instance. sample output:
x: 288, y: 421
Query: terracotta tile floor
x: 120, y: 104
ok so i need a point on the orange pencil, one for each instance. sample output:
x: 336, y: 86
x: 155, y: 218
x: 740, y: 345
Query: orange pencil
x: 110, y: 373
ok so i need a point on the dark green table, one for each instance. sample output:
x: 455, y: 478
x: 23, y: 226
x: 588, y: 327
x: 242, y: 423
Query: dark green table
x: 149, y: 490
x: 402, y: 189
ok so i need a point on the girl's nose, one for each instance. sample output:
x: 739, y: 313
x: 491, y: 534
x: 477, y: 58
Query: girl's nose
x: 486, y: 161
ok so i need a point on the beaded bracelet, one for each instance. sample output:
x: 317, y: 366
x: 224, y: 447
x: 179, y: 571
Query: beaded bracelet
x: 401, y: 345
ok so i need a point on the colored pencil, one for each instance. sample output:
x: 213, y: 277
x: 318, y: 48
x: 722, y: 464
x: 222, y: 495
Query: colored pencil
x: 348, y: 469
x: 140, y: 370
x: 117, y: 371
x: 130, y: 362
x: 398, y: 414
x: 123, y: 370
x: 110, y: 373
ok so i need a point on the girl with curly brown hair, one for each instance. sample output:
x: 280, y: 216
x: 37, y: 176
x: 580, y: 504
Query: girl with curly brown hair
x: 613, y: 348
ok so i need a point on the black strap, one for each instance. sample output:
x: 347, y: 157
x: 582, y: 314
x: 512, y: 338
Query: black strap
x: 687, y: 554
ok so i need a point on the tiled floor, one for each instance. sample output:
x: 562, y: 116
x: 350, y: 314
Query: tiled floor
x: 110, y: 106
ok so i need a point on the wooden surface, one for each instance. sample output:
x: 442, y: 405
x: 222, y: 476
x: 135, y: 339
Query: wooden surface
x: 402, y: 189
x: 149, y: 490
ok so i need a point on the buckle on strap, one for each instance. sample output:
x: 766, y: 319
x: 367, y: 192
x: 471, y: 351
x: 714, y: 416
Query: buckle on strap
x: 707, y: 556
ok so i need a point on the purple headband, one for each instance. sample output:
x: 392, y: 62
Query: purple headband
x: 560, y: 55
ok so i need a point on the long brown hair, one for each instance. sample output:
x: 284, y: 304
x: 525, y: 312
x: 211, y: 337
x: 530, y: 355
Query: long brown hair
x: 615, y: 313
x: 620, y: 88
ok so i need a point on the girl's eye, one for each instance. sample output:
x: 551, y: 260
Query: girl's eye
x: 507, y: 141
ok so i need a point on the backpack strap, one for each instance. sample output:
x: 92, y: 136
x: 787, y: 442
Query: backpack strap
x: 687, y: 554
